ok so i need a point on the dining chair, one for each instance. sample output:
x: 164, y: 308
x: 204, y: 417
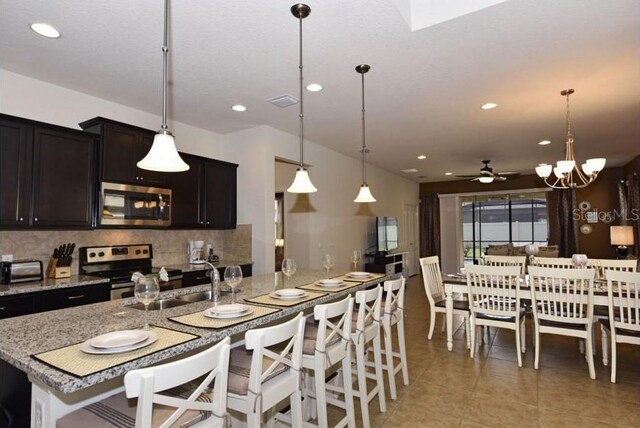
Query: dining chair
x: 168, y: 395
x: 366, y: 329
x: 393, y: 315
x: 432, y: 280
x: 267, y: 370
x: 563, y: 304
x: 327, y: 344
x: 520, y: 261
x: 623, y: 325
x: 612, y: 264
x: 554, y: 262
x: 494, y: 301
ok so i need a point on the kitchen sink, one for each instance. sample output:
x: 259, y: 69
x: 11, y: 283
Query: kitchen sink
x: 160, y: 304
x: 195, y: 297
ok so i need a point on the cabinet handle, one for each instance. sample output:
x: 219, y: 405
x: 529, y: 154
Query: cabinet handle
x: 75, y: 297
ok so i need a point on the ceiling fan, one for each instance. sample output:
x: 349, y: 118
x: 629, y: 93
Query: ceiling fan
x: 487, y: 175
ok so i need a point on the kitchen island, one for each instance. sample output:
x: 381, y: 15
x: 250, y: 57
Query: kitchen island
x: 55, y: 392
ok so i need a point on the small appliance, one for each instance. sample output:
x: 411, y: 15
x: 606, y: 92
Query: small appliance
x: 135, y: 206
x: 20, y: 271
x: 196, y: 252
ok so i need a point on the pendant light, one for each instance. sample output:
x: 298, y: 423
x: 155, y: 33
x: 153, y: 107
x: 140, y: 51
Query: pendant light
x: 302, y: 182
x: 365, y: 193
x: 163, y: 155
x: 568, y: 175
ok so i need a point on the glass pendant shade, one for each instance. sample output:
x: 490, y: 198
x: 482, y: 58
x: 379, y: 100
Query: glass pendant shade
x: 485, y: 180
x: 596, y: 164
x: 565, y: 166
x: 163, y: 155
x: 544, y: 171
x: 302, y: 183
x: 364, y: 195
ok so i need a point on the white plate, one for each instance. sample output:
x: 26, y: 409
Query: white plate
x: 119, y: 339
x: 88, y: 349
x: 281, y: 297
x: 290, y: 292
x: 329, y: 283
x: 211, y: 313
x: 358, y: 274
x: 230, y: 309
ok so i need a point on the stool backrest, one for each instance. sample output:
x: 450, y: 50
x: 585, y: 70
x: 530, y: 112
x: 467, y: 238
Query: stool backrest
x: 394, y: 300
x: 369, y: 303
x: 334, y: 320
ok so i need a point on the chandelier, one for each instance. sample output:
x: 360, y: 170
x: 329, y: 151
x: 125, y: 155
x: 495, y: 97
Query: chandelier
x: 567, y: 173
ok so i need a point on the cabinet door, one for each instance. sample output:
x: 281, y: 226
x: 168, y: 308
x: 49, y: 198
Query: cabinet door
x: 119, y: 154
x: 63, y: 179
x: 13, y: 306
x: 15, y: 173
x: 75, y: 296
x: 146, y: 177
x: 187, y: 207
x: 220, y: 190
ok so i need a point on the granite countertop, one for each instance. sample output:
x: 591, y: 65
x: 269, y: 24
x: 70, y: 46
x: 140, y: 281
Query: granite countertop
x: 50, y: 284
x: 32, y: 334
x: 187, y: 267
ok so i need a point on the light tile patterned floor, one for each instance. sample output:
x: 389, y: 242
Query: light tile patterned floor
x: 449, y: 389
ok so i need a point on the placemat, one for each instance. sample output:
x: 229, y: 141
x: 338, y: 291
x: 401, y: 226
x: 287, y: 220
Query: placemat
x: 315, y: 287
x: 72, y: 360
x: 197, y: 319
x: 373, y: 277
x: 265, y: 299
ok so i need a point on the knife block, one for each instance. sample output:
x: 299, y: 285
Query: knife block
x: 53, y: 271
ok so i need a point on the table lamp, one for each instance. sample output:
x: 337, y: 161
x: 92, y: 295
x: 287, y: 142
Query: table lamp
x: 622, y: 236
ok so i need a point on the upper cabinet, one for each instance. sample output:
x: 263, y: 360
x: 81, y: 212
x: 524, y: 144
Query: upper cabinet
x: 205, y: 195
x: 122, y: 146
x: 47, y: 175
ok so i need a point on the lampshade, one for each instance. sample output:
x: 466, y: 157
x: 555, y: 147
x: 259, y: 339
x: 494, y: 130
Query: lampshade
x: 596, y: 164
x: 163, y: 155
x: 621, y: 235
x: 565, y: 166
x: 302, y: 183
x: 544, y: 171
x: 485, y: 180
x: 364, y: 195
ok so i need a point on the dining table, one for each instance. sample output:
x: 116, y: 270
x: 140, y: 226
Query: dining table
x: 43, y: 346
x: 457, y: 284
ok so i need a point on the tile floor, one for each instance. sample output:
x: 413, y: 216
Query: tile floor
x: 450, y: 389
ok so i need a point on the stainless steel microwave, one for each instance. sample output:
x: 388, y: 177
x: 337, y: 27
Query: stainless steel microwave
x: 130, y: 205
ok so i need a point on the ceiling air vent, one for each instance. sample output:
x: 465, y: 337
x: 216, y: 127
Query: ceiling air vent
x: 284, y: 101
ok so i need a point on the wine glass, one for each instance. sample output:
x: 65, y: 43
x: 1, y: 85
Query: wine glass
x: 355, y: 259
x: 233, y: 277
x: 289, y: 267
x: 146, y: 290
x: 328, y: 261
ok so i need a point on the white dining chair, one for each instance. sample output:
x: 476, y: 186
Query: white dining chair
x: 554, y: 262
x: 432, y: 280
x: 393, y: 316
x: 366, y: 330
x: 623, y: 325
x: 260, y: 377
x: 612, y: 264
x: 166, y: 395
x: 563, y: 304
x: 494, y: 301
x: 327, y: 344
x: 520, y: 261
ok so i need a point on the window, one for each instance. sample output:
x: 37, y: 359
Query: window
x: 518, y: 219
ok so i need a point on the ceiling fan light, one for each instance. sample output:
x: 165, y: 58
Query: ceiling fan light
x: 485, y: 180
x: 302, y: 183
x: 364, y: 195
x: 163, y: 155
x: 558, y: 173
x: 544, y: 171
x: 566, y: 166
x: 596, y: 164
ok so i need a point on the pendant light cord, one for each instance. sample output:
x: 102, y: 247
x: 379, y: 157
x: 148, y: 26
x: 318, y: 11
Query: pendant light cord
x: 301, y: 102
x: 364, y: 145
x: 165, y: 52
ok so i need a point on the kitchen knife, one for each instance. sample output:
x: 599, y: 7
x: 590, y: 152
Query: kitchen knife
x: 71, y: 249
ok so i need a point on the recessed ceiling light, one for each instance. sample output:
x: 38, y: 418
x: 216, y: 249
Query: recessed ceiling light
x: 544, y: 142
x: 238, y: 107
x: 409, y: 171
x: 488, y: 106
x: 45, y: 30
x: 422, y: 157
x: 314, y: 87
x: 448, y: 173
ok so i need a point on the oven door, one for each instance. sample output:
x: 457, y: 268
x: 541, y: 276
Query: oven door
x: 129, y: 205
x: 122, y: 291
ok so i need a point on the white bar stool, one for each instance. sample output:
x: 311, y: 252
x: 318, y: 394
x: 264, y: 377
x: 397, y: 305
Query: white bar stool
x: 393, y: 315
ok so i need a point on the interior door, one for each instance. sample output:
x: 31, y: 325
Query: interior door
x: 410, y: 231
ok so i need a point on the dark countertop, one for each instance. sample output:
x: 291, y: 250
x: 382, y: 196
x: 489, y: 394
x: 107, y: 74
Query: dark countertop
x: 203, y: 266
x: 50, y: 284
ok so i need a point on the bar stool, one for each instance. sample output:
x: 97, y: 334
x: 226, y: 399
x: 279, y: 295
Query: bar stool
x: 393, y: 315
x: 367, y: 330
x: 194, y: 404
x: 260, y: 378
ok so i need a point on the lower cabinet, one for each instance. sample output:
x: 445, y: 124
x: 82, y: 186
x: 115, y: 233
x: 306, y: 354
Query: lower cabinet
x: 14, y: 306
x: 199, y: 277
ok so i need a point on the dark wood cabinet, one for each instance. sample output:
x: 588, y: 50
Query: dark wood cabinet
x: 47, y: 175
x: 75, y: 296
x: 122, y: 146
x: 204, y: 196
x: 16, y: 305
x: 200, y: 277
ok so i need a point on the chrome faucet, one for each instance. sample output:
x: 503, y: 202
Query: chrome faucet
x: 215, y: 283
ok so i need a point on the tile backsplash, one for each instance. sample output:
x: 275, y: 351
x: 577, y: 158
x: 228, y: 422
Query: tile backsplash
x: 169, y: 246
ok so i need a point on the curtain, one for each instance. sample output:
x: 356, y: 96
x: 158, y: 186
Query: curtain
x: 633, y: 210
x: 429, y: 225
x: 563, y: 226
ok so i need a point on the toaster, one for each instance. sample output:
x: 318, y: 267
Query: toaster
x: 20, y: 271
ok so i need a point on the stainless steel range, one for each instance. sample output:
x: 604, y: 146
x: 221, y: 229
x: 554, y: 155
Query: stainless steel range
x: 119, y: 262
